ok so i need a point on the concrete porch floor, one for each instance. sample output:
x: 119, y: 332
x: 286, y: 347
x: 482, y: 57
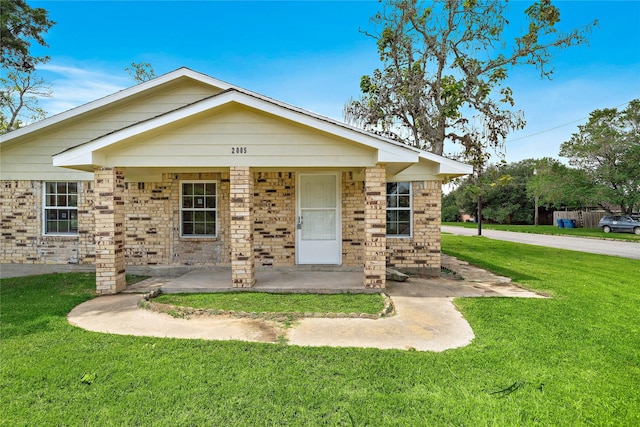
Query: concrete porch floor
x: 475, y: 282
x: 300, y: 279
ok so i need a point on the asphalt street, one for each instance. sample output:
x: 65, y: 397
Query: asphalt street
x: 581, y: 244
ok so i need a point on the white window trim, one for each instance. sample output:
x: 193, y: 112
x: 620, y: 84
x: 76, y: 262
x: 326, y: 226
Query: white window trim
x: 402, y: 236
x: 199, y: 236
x: 45, y: 208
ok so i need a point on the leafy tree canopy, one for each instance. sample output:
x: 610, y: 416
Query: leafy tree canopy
x: 444, y: 70
x: 558, y: 186
x: 141, y: 71
x: 503, y: 191
x: 19, y: 95
x: 21, y: 24
x: 20, y: 87
x: 607, y: 149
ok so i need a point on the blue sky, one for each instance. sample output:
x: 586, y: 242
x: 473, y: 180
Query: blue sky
x: 311, y: 54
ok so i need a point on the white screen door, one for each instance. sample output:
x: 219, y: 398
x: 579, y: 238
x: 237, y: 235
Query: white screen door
x: 318, y: 225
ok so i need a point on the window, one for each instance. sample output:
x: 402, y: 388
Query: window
x: 61, y: 208
x: 399, y: 209
x: 198, y: 213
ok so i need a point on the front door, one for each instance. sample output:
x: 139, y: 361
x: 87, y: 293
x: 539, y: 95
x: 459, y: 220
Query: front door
x: 318, y: 222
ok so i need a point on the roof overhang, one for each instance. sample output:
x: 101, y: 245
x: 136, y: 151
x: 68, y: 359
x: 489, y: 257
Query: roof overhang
x: 447, y: 168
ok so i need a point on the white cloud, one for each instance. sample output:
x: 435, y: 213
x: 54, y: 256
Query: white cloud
x: 75, y: 85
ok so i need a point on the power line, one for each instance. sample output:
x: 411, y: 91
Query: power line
x: 558, y: 127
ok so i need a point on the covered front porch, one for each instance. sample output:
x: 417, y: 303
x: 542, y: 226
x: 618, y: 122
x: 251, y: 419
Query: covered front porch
x: 238, y: 220
x: 273, y: 183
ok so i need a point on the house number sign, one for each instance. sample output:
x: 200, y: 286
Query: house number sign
x: 238, y: 150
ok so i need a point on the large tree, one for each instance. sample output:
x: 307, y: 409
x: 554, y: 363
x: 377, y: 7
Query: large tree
x: 19, y: 95
x: 503, y: 191
x: 20, y: 87
x: 558, y: 186
x: 607, y: 148
x: 444, y: 71
x: 20, y: 25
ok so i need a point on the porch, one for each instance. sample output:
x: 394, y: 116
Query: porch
x: 244, y: 228
x: 236, y: 180
x: 297, y: 279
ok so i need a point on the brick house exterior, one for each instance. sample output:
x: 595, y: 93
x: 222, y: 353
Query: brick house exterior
x: 188, y: 170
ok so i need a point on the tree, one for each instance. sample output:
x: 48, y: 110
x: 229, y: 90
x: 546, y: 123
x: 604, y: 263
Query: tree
x: 21, y: 88
x: 141, y: 71
x: 19, y: 25
x: 557, y: 186
x: 19, y: 94
x: 444, y: 73
x: 509, y: 191
x: 450, y: 209
x: 607, y: 148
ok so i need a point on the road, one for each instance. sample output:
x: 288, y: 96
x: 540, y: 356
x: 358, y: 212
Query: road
x: 581, y: 244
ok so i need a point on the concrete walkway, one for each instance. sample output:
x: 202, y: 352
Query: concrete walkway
x: 425, y: 318
x: 580, y: 244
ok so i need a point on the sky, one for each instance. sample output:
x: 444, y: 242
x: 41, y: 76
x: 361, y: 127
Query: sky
x: 312, y: 54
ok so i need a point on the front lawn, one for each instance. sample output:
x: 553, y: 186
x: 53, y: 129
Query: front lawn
x: 551, y: 230
x: 278, y: 303
x: 571, y: 360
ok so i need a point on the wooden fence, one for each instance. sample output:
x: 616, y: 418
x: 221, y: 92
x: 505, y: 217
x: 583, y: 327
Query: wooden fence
x: 583, y: 219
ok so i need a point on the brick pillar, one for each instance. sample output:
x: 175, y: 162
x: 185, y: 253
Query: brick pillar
x: 432, y: 226
x: 109, y: 224
x: 375, y: 223
x: 241, y: 201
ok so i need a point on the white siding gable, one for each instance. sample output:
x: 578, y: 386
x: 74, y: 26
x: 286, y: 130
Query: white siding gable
x: 235, y: 135
x: 31, y: 158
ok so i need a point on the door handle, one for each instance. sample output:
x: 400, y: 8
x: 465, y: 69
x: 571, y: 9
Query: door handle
x: 299, y: 223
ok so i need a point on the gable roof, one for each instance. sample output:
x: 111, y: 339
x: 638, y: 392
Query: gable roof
x: 389, y: 151
x: 180, y: 73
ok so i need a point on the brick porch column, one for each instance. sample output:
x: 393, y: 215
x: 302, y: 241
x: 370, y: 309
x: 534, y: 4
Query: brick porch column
x: 241, y: 201
x: 375, y: 226
x: 109, y: 230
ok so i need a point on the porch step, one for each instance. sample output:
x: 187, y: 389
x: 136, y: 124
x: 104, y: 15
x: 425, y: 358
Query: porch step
x: 395, y: 275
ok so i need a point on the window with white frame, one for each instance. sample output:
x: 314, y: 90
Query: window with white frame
x: 198, y: 208
x: 60, y: 208
x: 399, y: 209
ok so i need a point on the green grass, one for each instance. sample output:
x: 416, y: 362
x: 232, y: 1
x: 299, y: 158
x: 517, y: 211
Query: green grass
x: 278, y: 303
x: 568, y: 361
x: 552, y: 230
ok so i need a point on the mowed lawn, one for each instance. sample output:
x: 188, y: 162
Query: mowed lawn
x: 595, y: 233
x: 571, y: 360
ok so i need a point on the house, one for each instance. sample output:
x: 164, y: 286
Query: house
x: 188, y: 170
